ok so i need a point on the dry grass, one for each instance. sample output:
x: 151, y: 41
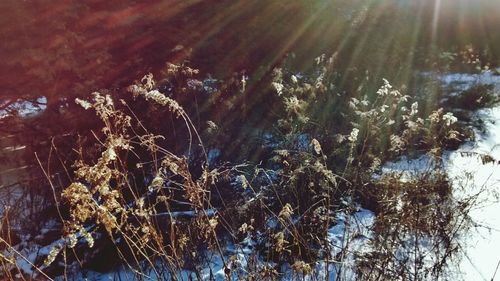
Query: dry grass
x: 159, y: 213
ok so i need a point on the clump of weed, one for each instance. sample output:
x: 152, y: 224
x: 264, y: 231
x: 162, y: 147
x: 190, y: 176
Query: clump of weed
x: 165, y: 211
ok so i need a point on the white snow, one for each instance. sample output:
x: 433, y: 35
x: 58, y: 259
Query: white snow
x: 466, y: 79
x: 473, y: 177
x: 213, y: 155
x: 26, y: 108
x: 349, y: 238
x: 408, y: 169
x: 477, y: 176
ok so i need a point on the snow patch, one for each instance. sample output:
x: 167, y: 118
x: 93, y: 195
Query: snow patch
x: 409, y: 169
x: 25, y: 108
x: 474, y: 174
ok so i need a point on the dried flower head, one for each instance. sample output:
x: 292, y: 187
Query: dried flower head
x: 414, y: 109
x: 278, y: 87
x: 83, y: 103
x: 449, y: 119
x: 279, y: 242
x: 302, y: 267
x: 316, y: 146
x: 51, y: 257
x: 353, y: 136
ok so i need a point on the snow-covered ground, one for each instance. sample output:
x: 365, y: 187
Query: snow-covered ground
x: 466, y: 80
x: 472, y: 174
x: 25, y: 108
x: 474, y: 169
